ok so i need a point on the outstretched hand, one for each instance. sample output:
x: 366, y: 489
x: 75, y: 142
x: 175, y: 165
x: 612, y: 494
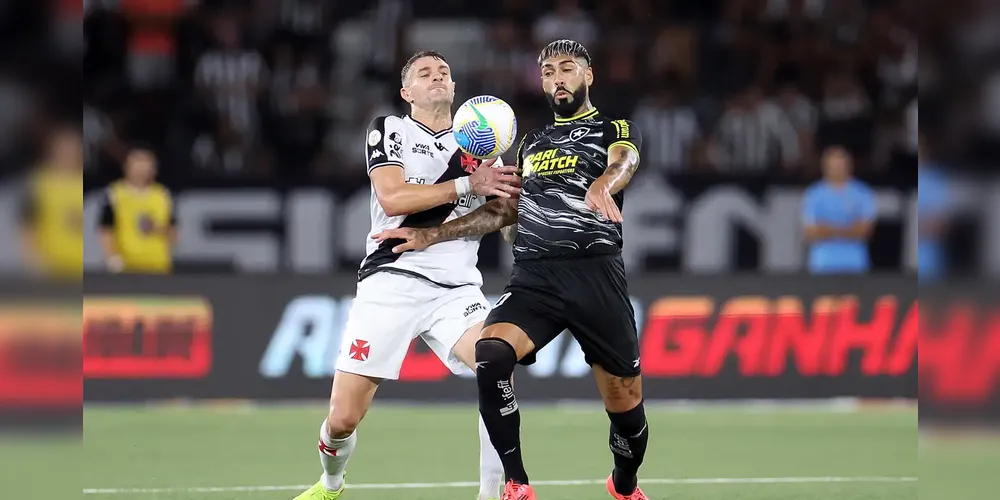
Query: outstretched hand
x: 413, y: 239
x: 599, y: 199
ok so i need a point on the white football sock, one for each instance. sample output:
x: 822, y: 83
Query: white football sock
x: 334, y: 454
x: 490, y: 467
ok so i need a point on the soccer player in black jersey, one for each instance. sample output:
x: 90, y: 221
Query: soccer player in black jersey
x: 568, y: 269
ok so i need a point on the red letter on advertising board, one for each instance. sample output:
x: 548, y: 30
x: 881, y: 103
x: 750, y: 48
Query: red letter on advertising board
x: 871, y: 338
x: 422, y: 366
x: 674, y: 336
x: 792, y: 336
x: 905, y: 347
x: 751, y: 312
x: 943, y: 352
x: 984, y: 368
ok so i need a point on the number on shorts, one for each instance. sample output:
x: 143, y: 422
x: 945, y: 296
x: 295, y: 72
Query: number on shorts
x: 503, y: 298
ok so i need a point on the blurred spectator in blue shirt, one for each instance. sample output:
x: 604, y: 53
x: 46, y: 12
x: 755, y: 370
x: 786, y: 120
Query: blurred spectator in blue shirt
x: 932, y: 206
x: 838, y: 214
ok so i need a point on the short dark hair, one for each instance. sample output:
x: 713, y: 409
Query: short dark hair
x: 409, y: 62
x: 564, y: 48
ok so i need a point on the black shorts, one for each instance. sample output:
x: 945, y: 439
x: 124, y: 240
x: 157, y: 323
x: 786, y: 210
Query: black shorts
x: 588, y: 296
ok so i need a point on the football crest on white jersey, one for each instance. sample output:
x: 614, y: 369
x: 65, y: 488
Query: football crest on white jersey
x: 374, y: 137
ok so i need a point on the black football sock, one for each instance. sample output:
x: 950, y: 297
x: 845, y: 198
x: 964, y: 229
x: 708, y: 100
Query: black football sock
x: 495, y: 361
x: 629, y: 437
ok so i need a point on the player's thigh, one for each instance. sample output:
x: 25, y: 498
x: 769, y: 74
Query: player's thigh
x: 383, y: 321
x: 452, y: 326
x: 603, y: 322
x: 526, y: 318
x: 465, y: 349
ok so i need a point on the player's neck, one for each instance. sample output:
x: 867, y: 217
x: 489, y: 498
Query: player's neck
x: 436, y: 119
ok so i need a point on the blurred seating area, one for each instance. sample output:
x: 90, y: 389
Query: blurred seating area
x: 283, y: 89
x: 40, y: 80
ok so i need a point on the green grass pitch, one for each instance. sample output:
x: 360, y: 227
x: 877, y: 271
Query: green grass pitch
x: 263, y: 453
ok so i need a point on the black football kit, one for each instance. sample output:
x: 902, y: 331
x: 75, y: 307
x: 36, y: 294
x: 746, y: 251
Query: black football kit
x: 568, y: 270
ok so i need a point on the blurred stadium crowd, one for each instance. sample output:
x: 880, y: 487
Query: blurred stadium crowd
x: 280, y: 91
x: 284, y: 88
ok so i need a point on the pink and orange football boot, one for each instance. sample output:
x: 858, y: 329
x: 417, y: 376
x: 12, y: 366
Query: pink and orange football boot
x: 636, y: 495
x: 517, y: 491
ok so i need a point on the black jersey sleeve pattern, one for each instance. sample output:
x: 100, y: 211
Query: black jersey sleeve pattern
x: 623, y: 133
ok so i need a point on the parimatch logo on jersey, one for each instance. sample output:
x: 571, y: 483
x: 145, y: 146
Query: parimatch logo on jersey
x: 549, y: 162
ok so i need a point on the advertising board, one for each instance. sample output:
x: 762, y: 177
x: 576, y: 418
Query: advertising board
x: 41, y: 375
x: 277, y: 337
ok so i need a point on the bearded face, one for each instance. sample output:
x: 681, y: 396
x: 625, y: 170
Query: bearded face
x: 566, y: 82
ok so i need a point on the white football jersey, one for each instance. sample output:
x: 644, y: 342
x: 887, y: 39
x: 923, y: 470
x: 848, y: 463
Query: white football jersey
x: 426, y: 158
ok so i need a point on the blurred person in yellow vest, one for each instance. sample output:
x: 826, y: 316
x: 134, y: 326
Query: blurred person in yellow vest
x: 52, y: 210
x: 138, y: 226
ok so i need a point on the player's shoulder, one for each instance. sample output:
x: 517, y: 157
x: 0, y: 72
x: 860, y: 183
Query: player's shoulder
x: 161, y: 190
x: 530, y: 137
x: 620, y: 130
x: 601, y: 117
x: 615, y: 123
x: 532, y: 134
x: 382, y: 122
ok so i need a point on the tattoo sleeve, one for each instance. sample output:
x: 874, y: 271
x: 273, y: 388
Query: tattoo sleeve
x: 509, y: 233
x: 492, y: 216
x: 622, y: 164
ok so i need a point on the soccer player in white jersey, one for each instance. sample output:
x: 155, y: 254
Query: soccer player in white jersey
x: 420, y: 178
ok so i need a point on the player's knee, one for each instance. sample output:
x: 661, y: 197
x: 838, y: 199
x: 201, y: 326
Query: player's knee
x: 629, y: 422
x: 495, y: 353
x: 341, y: 424
x: 511, y: 335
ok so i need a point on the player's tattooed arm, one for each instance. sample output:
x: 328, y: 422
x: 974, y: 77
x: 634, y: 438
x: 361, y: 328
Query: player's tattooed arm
x: 622, y: 165
x: 492, y: 216
x: 509, y: 233
x: 623, y: 161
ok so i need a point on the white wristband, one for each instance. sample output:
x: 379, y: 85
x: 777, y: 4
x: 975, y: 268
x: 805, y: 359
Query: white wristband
x: 463, y: 186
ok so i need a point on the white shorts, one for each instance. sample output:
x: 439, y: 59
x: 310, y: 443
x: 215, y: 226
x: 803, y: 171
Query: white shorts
x: 390, y: 310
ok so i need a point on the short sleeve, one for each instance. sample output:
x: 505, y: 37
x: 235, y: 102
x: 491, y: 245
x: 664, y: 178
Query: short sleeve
x: 384, y: 143
x: 623, y: 133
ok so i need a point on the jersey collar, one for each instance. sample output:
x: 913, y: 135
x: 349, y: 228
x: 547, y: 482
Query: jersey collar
x: 581, y: 116
x: 425, y: 128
